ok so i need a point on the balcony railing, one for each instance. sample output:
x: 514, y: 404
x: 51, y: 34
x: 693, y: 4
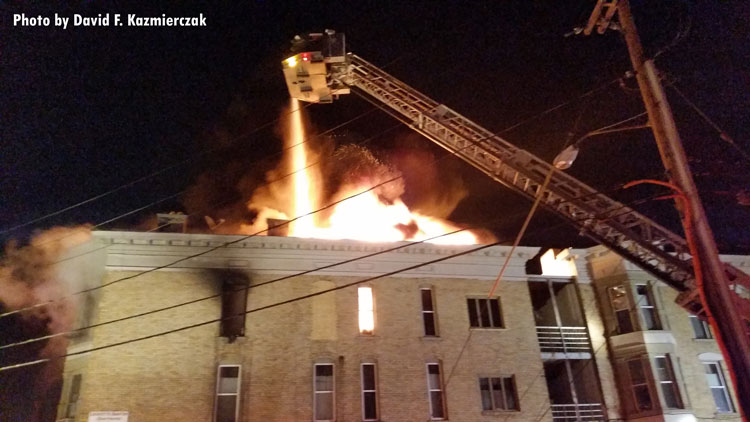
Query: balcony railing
x: 563, y: 339
x: 582, y: 412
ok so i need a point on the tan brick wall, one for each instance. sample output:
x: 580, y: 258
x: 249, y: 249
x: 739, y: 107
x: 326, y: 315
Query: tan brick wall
x: 160, y: 379
x: 596, y: 326
x: 688, y: 349
x: 607, y: 269
x: 172, y: 377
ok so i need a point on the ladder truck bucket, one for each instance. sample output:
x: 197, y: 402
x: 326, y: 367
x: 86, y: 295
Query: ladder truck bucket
x: 310, y: 72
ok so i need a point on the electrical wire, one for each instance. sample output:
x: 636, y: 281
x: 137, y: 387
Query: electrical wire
x: 141, y: 179
x: 722, y: 134
x: 205, y: 152
x: 285, y: 302
x: 283, y: 150
x: 472, y: 143
x: 276, y: 304
x: 175, y: 165
x: 508, y: 256
x: 633, y: 309
x: 561, y: 105
x: 377, y: 105
x: 190, y: 302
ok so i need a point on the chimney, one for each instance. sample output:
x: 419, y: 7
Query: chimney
x: 277, y: 227
x: 171, y: 223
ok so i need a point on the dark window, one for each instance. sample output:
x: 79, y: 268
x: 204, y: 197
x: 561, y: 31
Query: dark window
x: 484, y: 313
x: 700, y: 327
x: 369, y: 393
x: 428, y: 313
x: 618, y: 299
x: 75, y: 392
x: 645, y: 300
x: 498, y: 393
x: 639, y: 386
x: 227, y: 394
x: 324, y: 392
x: 233, y: 305
x: 435, y: 390
x: 665, y: 375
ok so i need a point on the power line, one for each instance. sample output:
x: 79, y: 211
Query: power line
x: 722, y: 134
x: 180, y: 163
x: 561, y: 105
x: 205, y: 152
x: 468, y: 338
x: 471, y: 143
x: 283, y: 150
x: 633, y: 309
x: 377, y: 105
x: 153, y: 311
x: 285, y: 302
x: 225, y: 244
x: 138, y: 180
x: 232, y: 141
x: 190, y: 302
x: 273, y: 305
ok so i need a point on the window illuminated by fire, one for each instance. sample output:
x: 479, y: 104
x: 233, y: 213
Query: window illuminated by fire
x: 366, y: 311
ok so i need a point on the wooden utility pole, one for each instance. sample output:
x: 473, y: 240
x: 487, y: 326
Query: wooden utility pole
x: 723, y: 316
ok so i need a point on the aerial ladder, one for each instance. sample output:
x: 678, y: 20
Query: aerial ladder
x: 320, y: 71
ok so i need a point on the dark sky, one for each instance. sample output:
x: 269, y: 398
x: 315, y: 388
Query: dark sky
x: 86, y: 110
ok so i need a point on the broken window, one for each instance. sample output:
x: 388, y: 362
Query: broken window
x: 234, y: 290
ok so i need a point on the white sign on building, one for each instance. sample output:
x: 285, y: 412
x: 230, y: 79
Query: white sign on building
x: 121, y: 416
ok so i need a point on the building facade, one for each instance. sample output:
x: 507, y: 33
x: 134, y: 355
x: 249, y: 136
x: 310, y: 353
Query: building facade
x: 243, y: 337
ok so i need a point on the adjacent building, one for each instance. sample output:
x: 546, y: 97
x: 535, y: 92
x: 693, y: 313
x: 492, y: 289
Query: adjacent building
x: 278, y: 329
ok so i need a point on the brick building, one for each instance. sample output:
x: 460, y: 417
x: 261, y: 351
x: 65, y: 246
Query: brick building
x: 590, y: 338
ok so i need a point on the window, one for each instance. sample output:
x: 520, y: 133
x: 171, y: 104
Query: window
x: 639, y: 386
x: 647, y: 305
x: 428, y: 312
x: 323, y: 400
x: 73, y: 394
x: 227, y: 405
x: 366, y: 311
x: 435, y: 390
x: 484, y: 313
x: 665, y: 375
x: 718, y: 386
x: 234, y: 290
x: 498, y: 393
x: 369, y: 393
x: 700, y: 327
x: 618, y: 298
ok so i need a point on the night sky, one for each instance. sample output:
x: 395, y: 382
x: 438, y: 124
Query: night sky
x: 86, y: 110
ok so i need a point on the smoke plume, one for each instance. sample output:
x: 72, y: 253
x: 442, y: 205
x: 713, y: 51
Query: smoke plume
x: 30, y: 275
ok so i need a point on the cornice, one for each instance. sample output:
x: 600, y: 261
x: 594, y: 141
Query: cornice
x: 288, y: 255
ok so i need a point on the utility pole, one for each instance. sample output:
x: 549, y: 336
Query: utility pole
x: 723, y: 315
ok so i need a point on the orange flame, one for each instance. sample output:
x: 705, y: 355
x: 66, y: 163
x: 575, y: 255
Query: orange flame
x: 364, y: 216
